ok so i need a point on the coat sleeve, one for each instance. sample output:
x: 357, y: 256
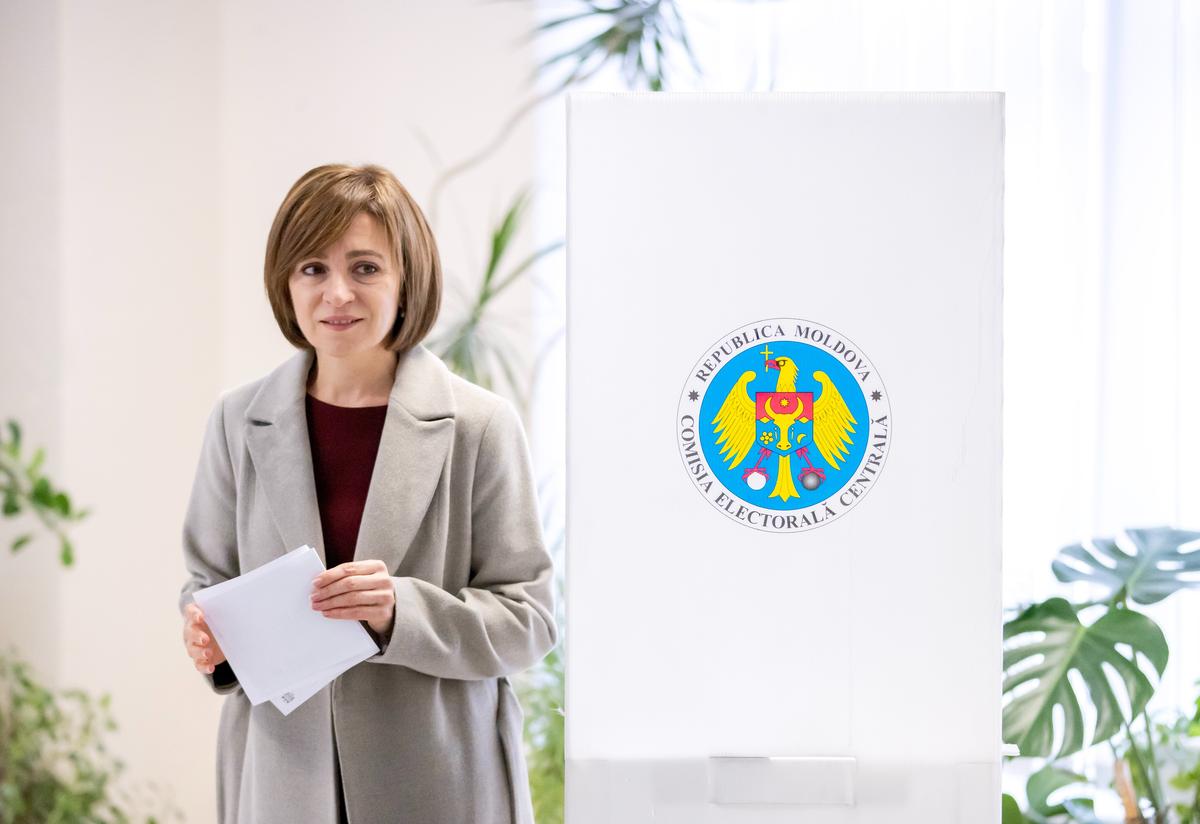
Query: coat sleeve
x: 210, y: 529
x: 502, y: 622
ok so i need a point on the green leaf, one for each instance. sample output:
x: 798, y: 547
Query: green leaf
x: 1181, y: 781
x: 12, y: 505
x: 502, y: 237
x: 525, y: 265
x: 14, y: 444
x: 1010, y: 812
x: 36, y: 463
x: 628, y: 30
x: 1161, y: 556
x: 42, y: 493
x: 62, y: 503
x: 1046, y: 781
x: 1069, y: 645
x: 21, y: 541
x: 67, y: 553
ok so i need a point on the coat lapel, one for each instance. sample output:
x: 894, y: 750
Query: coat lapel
x: 413, y: 450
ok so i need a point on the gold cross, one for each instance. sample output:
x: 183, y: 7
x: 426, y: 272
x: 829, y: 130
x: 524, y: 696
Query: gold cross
x: 766, y: 353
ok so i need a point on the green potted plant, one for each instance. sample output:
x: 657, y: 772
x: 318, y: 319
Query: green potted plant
x: 54, y: 766
x: 1046, y: 641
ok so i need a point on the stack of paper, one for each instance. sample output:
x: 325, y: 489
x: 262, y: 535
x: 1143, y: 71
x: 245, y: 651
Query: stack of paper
x: 280, y: 647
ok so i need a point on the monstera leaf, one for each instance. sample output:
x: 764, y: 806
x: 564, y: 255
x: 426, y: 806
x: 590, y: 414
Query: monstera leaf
x: 1070, y: 645
x: 1044, y: 782
x: 1010, y: 811
x: 1078, y: 809
x: 1148, y: 575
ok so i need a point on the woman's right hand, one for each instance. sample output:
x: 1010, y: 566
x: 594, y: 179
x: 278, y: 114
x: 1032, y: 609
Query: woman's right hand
x: 198, y: 638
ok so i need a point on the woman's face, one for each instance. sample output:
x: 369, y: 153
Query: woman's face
x: 356, y: 278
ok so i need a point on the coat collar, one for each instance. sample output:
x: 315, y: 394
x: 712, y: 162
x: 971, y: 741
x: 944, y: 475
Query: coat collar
x: 421, y: 385
x: 413, y: 451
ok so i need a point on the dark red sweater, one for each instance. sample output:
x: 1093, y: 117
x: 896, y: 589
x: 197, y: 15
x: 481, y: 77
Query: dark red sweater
x: 344, y: 442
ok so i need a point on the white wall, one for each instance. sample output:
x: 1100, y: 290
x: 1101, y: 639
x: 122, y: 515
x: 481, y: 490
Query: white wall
x: 151, y: 144
x: 141, y: 310
x: 30, y: 350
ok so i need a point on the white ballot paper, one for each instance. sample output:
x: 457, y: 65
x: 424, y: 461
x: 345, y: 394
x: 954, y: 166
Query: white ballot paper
x: 281, y: 648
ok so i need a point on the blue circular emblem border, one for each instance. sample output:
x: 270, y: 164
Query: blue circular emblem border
x: 788, y: 480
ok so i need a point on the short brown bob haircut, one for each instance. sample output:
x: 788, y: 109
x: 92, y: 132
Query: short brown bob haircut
x: 319, y: 209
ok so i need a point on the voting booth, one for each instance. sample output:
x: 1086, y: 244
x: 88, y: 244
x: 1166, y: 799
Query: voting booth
x: 783, y: 458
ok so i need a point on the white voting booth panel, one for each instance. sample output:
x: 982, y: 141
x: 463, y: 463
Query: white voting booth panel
x: 783, y: 458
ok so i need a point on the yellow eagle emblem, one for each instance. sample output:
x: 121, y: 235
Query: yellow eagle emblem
x: 780, y: 421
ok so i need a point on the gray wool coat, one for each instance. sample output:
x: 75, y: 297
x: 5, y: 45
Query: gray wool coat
x: 429, y: 731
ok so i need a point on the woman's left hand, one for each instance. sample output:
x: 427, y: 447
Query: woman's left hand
x: 359, y: 591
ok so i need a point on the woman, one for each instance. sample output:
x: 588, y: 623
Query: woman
x: 416, y: 489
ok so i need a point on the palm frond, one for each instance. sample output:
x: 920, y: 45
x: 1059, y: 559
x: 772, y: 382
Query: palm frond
x: 633, y: 32
x: 467, y: 347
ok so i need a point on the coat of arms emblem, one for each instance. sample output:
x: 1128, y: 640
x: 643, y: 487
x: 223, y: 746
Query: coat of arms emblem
x: 784, y: 425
